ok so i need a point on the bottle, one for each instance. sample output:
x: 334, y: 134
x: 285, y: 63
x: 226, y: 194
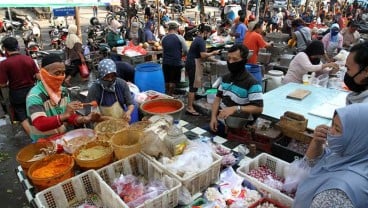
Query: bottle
x: 175, y: 140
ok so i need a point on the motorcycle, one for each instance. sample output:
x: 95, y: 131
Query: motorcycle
x: 32, y: 36
x: 58, y: 37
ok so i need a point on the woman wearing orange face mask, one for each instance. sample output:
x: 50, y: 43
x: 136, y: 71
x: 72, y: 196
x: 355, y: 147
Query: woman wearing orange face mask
x: 48, y: 103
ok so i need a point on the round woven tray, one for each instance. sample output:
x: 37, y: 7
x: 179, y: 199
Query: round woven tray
x: 94, y: 163
x: 106, y: 129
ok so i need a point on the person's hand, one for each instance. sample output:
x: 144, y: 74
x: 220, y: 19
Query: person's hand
x: 320, y: 134
x: 72, y: 107
x: 213, y: 125
x: 216, y: 52
x: 127, y: 117
x: 226, y: 112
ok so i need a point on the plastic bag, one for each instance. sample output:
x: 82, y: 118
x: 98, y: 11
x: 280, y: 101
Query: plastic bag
x: 133, y: 50
x: 185, y: 197
x: 83, y: 70
x: 86, y: 205
x: 230, y: 183
x: 294, y: 173
x: 152, y: 190
x: 195, y: 158
x: 129, y: 188
x: 154, y: 146
x: 214, y: 196
x: 273, y: 183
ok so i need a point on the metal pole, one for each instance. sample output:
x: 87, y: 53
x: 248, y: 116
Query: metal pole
x: 10, y: 16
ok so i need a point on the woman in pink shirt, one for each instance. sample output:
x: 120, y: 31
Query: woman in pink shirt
x: 306, y: 61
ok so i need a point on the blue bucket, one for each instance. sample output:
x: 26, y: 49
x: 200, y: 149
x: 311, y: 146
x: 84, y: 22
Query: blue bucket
x: 149, y: 76
x: 255, y: 70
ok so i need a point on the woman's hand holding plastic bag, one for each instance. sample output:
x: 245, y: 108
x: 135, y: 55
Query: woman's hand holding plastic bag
x: 296, y: 172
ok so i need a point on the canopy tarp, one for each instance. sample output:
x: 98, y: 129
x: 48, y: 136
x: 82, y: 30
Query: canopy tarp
x: 52, y: 3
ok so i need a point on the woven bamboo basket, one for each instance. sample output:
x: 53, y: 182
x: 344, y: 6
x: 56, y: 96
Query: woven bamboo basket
x: 28, y: 152
x: 97, y: 163
x: 43, y: 183
x: 139, y: 126
x: 106, y: 129
x: 126, y: 142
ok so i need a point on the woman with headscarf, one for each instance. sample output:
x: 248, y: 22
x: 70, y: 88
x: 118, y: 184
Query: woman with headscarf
x: 148, y: 32
x: 111, y: 93
x: 114, y: 38
x: 135, y: 34
x: 333, y: 41
x: 306, y: 61
x: 74, y: 53
x: 48, y: 104
x: 338, y: 156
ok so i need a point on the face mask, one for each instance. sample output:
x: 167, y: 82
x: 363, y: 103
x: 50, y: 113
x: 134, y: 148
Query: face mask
x: 108, y: 85
x: 315, y: 61
x: 350, y: 83
x: 334, y: 32
x: 117, y: 30
x: 336, y: 144
x: 205, y: 37
x: 236, y: 67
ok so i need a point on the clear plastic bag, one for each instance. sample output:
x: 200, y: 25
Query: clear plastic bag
x: 152, y: 190
x: 294, y: 173
x: 129, y: 188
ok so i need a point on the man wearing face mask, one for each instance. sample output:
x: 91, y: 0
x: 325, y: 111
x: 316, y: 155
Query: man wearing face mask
x: 357, y: 72
x: 18, y: 72
x: 308, y: 60
x: 112, y: 94
x: 48, y: 103
x: 193, y: 65
x: 239, y: 94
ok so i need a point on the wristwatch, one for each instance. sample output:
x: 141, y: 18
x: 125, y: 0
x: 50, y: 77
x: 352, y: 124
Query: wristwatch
x: 238, y: 109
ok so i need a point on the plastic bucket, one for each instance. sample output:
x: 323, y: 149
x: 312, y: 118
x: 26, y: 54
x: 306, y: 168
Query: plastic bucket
x: 211, y: 94
x: 149, y: 76
x: 255, y: 70
x: 275, y: 79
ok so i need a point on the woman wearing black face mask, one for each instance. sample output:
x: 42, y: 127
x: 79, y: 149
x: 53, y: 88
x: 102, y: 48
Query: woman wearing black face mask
x: 306, y: 61
x: 356, y: 77
x: 112, y: 94
x: 193, y: 65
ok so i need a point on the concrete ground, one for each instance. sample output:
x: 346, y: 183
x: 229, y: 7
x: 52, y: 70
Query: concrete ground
x: 12, y: 137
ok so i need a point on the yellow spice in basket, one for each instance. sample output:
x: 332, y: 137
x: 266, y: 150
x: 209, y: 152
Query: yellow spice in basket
x: 93, y: 153
x: 53, y: 168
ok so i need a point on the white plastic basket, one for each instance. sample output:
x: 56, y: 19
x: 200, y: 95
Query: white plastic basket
x: 199, y: 181
x: 277, y: 166
x: 87, y: 187
x: 138, y: 165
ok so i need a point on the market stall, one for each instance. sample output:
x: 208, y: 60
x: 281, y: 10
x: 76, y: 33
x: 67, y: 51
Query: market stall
x: 192, y: 132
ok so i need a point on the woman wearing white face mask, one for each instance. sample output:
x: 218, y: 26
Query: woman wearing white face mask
x: 339, y: 157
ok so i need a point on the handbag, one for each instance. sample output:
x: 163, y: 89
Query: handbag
x: 83, y: 70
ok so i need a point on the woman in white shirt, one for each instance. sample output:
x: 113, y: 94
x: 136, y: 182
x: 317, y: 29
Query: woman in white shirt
x: 306, y: 61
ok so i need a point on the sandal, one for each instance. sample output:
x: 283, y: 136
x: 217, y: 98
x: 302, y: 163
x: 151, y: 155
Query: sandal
x: 192, y: 113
